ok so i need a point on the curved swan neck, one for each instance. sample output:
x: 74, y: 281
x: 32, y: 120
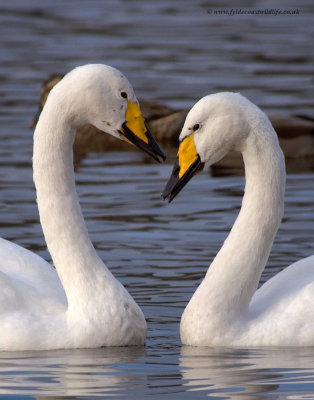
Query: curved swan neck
x: 60, y: 214
x: 239, y: 264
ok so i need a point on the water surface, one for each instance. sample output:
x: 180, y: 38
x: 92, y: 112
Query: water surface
x: 160, y: 253
x: 173, y: 52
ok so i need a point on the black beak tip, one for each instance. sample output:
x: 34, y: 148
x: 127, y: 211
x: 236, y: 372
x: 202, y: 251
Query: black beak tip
x: 175, y: 183
x: 151, y: 148
x: 162, y: 157
x: 170, y: 190
x: 167, y: 193
x: 154, y: 149
x: 157, y: 154
x: 164, y: 195
x: 168, y: 196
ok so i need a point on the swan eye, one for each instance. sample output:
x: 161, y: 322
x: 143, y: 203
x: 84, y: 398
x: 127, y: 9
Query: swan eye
x: 195, y: 127
x: 124, y: 95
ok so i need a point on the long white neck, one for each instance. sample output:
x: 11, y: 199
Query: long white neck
x: 73, y: 254
x: 234, y: 274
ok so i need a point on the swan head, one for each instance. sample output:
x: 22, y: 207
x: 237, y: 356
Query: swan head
x: 216, y: 125
x: 102, y: 96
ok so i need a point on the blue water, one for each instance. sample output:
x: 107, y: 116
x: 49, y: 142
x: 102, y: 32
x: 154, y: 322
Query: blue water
x: 173, y: 52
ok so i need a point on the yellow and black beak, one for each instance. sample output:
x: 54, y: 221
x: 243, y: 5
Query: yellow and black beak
x: 135, y: 131
x: 187, y: 164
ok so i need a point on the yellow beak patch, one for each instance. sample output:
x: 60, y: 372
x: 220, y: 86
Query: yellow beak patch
x: 187, y: 154
x: 135, y: 121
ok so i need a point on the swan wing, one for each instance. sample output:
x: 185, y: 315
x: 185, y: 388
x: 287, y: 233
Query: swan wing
x: 288, y: 287
x: 27, y: 282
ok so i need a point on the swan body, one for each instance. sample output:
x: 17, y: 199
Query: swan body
x: 78, y: 303
x: 227, y: 309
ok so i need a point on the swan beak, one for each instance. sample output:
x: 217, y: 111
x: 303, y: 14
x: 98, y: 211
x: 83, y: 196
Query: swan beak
x: 187, y: 164
x: 135, y: 131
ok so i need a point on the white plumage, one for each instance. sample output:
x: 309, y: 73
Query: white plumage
x: 227, y: 309
x: 80, y: 303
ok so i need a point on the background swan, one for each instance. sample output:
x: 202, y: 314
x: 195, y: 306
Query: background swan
x: 226, y: 309
x: 83, y: 305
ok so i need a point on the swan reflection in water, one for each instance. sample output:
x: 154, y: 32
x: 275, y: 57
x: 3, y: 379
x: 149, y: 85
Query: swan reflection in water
x: 74, y: 372
x: 136, y: 371
x: 243, y: 372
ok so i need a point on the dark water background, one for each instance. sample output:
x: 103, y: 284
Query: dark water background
x: 173, y: 52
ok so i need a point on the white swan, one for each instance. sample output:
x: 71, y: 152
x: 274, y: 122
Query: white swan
x: 82, y: 304
x: 226, y: 309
